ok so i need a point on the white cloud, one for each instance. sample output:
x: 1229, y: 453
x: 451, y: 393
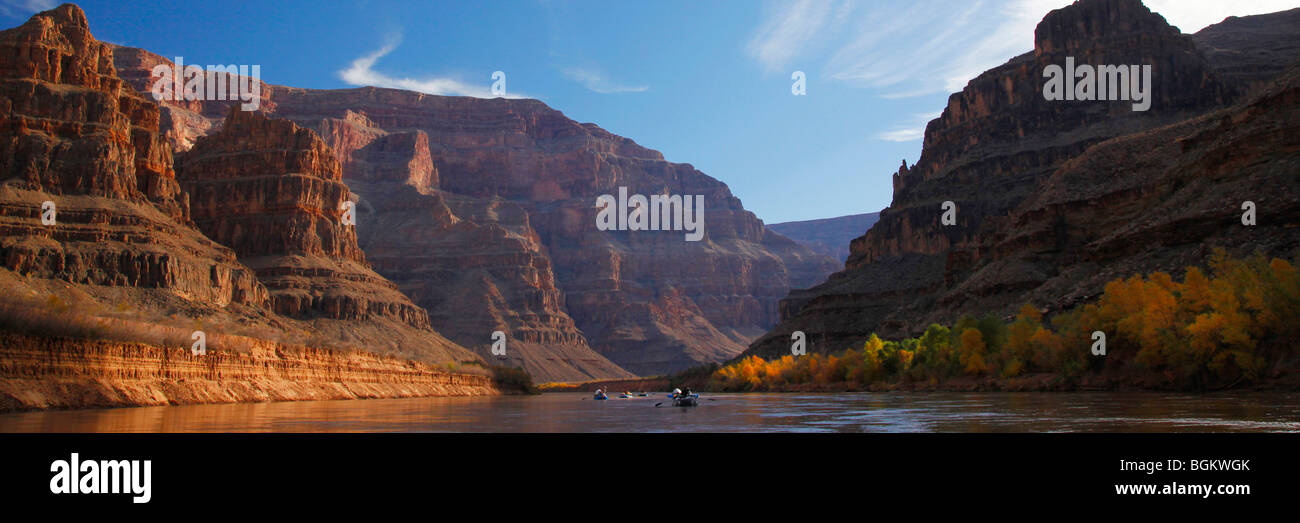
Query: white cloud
x: 361, y: 72
x: 596, y: 81
x: 790, y: 27
x: 25, y: 8
x: 902, y: 135
x: 912, y: 132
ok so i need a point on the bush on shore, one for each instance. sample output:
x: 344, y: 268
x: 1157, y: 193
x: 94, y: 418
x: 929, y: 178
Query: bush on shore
x: 1225, y: 328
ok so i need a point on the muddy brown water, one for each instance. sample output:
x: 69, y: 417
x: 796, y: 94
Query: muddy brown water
x: 577, y: 412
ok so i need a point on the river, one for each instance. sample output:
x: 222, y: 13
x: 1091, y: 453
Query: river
x: 577, y: 412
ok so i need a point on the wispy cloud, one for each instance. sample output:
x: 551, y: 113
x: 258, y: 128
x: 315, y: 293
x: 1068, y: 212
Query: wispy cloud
x: 915, y: 130
x: 790, y: 28
x: 902, y: 50
x: 597, y: 81
x: 902, y: 135
x: 898, y: 49
x: 361, y: 72
x: 24, y: 8
x: 949, y: 46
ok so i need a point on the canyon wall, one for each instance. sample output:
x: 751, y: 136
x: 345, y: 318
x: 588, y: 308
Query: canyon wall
x: 273, y: 192
x: 73, y: 135
x: 1053, y: 198
x: 120, y: 250
x: 57, y: 373
x: 483, y: 212
x: 524, y: 253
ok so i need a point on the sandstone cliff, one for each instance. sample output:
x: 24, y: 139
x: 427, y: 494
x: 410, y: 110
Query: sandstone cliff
x: 46, y: 373
x: 483, y: 212
x: 123, y: 257
x: 73, y: 135
x: 1053, y: 198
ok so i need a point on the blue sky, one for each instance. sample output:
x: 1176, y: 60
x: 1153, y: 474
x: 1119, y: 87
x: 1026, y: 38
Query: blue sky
x: 705, y: 82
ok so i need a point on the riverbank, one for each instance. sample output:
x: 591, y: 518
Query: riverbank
x: 655, y: 384
x: 1282, y: 382
x: 65, y: 373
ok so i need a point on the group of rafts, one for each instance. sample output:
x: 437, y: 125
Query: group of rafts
x: 680, y: 399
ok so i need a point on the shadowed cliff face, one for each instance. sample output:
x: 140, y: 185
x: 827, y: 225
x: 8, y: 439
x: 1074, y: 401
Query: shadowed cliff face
x: 483, y: 211
x: 273, y: 192
x: 1001, y: 153
x: 1250, y: 51
x: 476, y: 265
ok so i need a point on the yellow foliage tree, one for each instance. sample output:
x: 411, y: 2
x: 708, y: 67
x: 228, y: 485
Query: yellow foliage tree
x: 972, y: 351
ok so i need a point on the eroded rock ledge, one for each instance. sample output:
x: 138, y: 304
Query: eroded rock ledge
x: 62, y: 373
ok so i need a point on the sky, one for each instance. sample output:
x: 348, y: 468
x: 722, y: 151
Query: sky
x: 707, y: 83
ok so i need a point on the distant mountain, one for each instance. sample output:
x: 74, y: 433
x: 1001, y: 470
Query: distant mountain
x: 1053, y: 199
x: 830, y: 236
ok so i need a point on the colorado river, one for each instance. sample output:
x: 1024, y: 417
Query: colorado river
x: 575, y: 412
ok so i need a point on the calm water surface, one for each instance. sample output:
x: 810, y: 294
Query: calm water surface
x: 577, y: 412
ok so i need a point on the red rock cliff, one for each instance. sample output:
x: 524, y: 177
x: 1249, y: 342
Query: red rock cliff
x: 123, y: 249
x: 73, y: 134
x: 1001, y: 153
x: 51, y: 373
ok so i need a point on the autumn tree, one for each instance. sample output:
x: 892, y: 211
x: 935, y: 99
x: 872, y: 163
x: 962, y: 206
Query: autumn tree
x: 972, y: 351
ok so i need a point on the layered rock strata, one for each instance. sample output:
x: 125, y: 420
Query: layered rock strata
x: 57, y: 373
x: 72, y: 135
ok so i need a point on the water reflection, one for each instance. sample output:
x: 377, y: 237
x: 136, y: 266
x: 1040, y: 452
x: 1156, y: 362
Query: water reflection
x: 912, y: 412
